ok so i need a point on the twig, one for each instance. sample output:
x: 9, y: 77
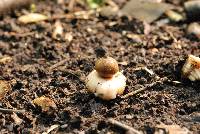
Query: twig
x: 144, y: 68
x: 4, y: 110
x: 62, y: 16
x: 149, y: 71
x: 17, y: 34
x: 161, y: 80
x: 71, y: 4
x: 123, y: 126
x: 58, y: 64
x: 85, y: 15
x: 51, y: 129
x: 16, y: 119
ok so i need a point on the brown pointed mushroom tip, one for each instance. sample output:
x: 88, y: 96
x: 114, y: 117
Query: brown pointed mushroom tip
x: 106, y: 67
x: 191, y: 68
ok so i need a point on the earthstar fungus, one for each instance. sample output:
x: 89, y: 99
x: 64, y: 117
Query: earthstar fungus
x: 191, y: 68
x: 105, y: 81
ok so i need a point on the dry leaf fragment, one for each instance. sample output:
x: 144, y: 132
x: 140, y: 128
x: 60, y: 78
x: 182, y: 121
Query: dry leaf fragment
x: 191, y: 68
x: 4, y: 88
x: 16, y: 119
x: 32, y: 18
x: 51, y: 129
x: 124, y: 63
x: 135, y: 37
x: 5, y: 59
x: 45, y: 103
x: 171, y: 129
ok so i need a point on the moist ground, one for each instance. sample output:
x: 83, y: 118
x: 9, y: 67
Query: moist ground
x: 35, y: 52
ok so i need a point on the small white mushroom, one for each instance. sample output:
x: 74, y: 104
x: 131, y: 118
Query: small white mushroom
x: 191, y: 68
x: 106, y: 81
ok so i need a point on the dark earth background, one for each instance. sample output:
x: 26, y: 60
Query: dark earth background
x: 77, y: 111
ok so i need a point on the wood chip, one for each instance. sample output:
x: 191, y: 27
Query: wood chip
x: 4, y: 88
x: 51, y: 129
x: 171, y: 129
x: 6, y: 59
x: 174, y: 16
x: 32, y: 18
x: 16, y: 119
x: 135, y: 37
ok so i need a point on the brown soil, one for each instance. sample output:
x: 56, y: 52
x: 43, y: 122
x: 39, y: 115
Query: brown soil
x: 35, y: 52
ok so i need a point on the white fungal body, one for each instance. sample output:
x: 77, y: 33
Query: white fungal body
x: 191, y: 68
x: 106, y: 88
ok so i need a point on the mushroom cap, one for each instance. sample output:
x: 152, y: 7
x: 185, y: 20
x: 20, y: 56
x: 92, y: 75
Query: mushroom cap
x: 106, y: 67
x: 106, y: 89
x: 191, y: 68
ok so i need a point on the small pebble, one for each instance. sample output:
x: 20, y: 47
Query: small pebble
x: 174, y: 16
x: 194, y: 29
x: 129, y: 116
x: 192, y: 8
